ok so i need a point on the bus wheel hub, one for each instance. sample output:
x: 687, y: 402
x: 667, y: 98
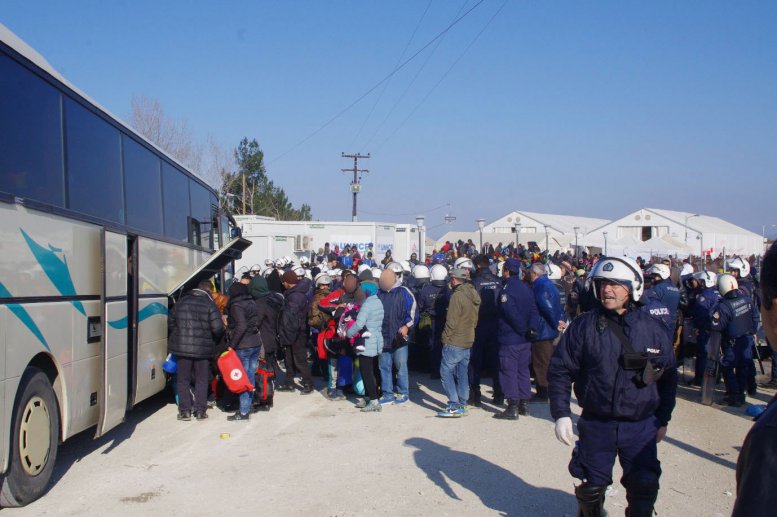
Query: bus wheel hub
x: 35, y: 436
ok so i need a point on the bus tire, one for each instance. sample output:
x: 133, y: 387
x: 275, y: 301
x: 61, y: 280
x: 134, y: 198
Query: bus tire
x: 34, y: 441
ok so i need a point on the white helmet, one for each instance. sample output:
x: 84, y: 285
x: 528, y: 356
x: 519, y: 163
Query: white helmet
x: 618, y: 269
x: 267, y: 272
x: 405, y: 266
x: 299, y: 271
x: 396, y: 267
x: 708, y: 278
x: 660, y: 270
x: 376, y: 272
x: 554, y: 272
x: 740, y: 265
x: 303, y: 260
x: 336, y: 272
x: 362, y: 268
x: 463, y: 263
x: 420, y: 272
x: 726, y: 284
x: 323, y: 278
x: 279, y: 263
x: 288, y: 260
x: 268, y: 262
x: 687, y: 270
x: 438, y: 273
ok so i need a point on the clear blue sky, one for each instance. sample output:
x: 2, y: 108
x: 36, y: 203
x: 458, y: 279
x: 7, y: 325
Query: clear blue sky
x: 589, y: 108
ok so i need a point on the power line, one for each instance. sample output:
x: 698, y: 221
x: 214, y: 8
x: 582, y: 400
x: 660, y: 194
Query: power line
x: 407, y: 213
x: 365, y: 94
x: 410, y: 84
x: 450, y: 68
x: 385, y: 86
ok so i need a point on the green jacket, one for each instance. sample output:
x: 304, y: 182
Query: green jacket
x: 462, y: 317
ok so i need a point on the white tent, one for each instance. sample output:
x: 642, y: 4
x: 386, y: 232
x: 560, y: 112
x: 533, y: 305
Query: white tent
x: 687, y: 233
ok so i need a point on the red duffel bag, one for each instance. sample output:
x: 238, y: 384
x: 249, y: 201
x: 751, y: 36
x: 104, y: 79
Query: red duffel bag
x: 232, y: 372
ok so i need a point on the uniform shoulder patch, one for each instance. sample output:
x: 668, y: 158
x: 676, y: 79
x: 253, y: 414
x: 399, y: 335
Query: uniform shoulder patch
x: 503, y: 298
x: 716, y: 315
x: 701, y: 298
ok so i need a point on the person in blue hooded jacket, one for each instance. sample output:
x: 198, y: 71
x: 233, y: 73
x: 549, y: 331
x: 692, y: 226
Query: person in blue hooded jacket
x: 548, y: 302
x: 621, y: 364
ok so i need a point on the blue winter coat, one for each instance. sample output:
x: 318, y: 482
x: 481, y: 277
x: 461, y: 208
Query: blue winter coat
x: 589, y: 359
x: 548, y: 303
x: 399, y: 308
x: 518, y: 316
x: 371, y: 316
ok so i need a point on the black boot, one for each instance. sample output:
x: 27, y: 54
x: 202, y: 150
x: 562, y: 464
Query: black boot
x: 499, y: 398
x: 474, y: 396
x: 523, y: 407
x: 307, y: 389
x: 541, y: 397
x: 286, y: 386
x: 641, y: 495
x: 511, y: 413
x: 590, y: 500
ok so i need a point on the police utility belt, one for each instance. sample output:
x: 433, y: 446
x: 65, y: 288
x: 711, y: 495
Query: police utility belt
x: 634, y: 361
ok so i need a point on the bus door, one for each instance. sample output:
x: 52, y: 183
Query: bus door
x: 115, y: 324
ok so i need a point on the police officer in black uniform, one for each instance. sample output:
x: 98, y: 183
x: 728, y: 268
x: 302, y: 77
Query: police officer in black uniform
x: 621, y: 364
x: 486, y: 346
x: 736, y: 319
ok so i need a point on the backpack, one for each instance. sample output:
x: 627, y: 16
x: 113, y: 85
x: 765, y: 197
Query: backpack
x: 276, y: 302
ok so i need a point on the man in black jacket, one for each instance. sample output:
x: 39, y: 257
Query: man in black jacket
x: 757, y: 464
x: 293, y: 332
x: 194, y: 327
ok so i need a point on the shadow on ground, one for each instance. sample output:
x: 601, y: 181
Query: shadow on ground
x: 498, y: 489
x: 84, y: 444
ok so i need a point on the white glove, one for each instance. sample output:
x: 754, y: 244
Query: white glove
x: 564, y: 432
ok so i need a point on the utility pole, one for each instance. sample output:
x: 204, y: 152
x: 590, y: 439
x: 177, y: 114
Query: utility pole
x: 244, y: 194
x: 356, y: 185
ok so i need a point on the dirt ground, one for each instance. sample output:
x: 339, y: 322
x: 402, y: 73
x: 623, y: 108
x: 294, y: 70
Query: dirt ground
x: 313, y: 457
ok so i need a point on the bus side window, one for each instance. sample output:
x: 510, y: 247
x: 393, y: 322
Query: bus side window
x: 30, y: 122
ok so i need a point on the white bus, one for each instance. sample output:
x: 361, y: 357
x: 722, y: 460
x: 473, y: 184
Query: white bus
x: 98, y: 231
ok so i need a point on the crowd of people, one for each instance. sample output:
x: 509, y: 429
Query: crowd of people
x: 612, y: 329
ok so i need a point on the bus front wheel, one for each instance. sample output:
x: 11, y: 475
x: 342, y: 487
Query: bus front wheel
x: 34, y: 441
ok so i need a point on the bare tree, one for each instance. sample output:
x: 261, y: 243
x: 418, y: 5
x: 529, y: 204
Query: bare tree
x: 174, y: 136
x: 218, y: 164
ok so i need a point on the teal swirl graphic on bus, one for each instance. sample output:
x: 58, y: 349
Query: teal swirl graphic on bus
x: 55, y: 268
x: 146, y: 312
x: 24, y: 316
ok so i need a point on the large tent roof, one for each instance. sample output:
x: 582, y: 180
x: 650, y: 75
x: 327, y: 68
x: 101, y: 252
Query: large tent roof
x: 561, y: 223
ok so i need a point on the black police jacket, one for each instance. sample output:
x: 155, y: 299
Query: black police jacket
x: 589, y: 358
